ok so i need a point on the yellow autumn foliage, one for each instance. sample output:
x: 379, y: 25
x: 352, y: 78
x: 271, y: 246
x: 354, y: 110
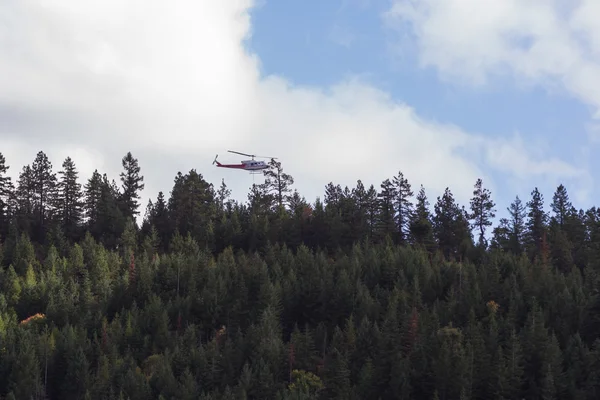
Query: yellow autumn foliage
x: 493, y: 306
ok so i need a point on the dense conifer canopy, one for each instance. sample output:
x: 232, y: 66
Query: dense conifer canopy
x: 370, y: 293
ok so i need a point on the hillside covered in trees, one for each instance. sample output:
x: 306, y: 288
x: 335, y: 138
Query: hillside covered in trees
x: 366, y: 294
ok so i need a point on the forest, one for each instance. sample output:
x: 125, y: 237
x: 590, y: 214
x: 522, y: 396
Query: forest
x: 368, y: 293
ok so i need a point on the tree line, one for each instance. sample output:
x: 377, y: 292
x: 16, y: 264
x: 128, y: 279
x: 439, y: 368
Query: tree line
x: 57, y: 208
x: 367, y: 293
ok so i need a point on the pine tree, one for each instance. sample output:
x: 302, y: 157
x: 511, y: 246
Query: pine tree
x: 192, y: 206
x: 6, y: 185
x: 25, y: 199
x: 421, y: 228
x: 132, y: 185
x: 158, y: 217
x: 333, y: 195
x: 93, y: 195
x: 561, y: 205
x: 24, y: 378
x: 536, y: 223
x: 110, y: 220
x: 6, y: 194
x: 297, y: 204
x: 44, y: 183
x: 502, y: 236
x: 223, y: 195
x: 5, y: 181
x: 482, y: 210
x: 387, y: 210
x: 277, y: 182
x: 260, y: 202
x: 450, y: 224
x: 70, y: 199
x: 360, y: 221
x: 518, y: 213
x: 404, y: 206
x: 372, y: 208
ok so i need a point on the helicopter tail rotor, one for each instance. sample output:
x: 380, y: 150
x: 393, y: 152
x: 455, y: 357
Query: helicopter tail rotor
x: 215, y: 160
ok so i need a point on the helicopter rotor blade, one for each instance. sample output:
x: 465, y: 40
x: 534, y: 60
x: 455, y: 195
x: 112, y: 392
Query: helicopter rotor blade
x: 242, y: 154
x: 250, y: 155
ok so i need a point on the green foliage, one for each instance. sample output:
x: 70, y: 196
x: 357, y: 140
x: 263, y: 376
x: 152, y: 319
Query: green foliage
x: 365, y: 294
x: 305, y: 383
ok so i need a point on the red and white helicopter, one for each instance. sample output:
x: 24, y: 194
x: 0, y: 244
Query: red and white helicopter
x: 253, y: 166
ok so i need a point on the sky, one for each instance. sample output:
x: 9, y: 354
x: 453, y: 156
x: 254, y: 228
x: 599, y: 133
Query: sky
x: 445, y: 91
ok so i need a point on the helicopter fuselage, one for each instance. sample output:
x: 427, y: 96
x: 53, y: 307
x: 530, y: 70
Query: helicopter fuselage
x: 253, y: 165
x: 248, y: 165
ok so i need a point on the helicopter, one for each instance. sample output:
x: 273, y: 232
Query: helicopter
x: 253, y: 166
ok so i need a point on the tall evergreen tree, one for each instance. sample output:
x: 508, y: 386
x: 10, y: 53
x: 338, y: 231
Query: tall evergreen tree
x: 131, y: 184
x: 387, y: 209
x: 502, y: 236
x: 157, y: 218
x: 372, y: 208
x: 360, y: 219
x: 260, y: 201
x: 562, y: 227
x: 536, y: 222
x: 5, y: 181
x: 25, y: 197
x: 110, y: 221
x: 561, y: 206
x: 421, y: 228
x: 70, y: 199
x: 333, y: 195
x: 451, y: 225
x: 277, y: 182
x: 192, y: 206
x: 45, y: 184
x: 223, y: 195
x: 482, y: 210
x: 6, y: 193
x: 93, y: 196
x: 517, y: 212
x: 404, y: 206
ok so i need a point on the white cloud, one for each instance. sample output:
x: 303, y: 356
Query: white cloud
x: 175, y: 85
x: 554, y: 43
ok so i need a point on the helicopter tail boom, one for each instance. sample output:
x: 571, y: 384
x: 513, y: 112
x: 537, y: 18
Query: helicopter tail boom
x: 236, y: 166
